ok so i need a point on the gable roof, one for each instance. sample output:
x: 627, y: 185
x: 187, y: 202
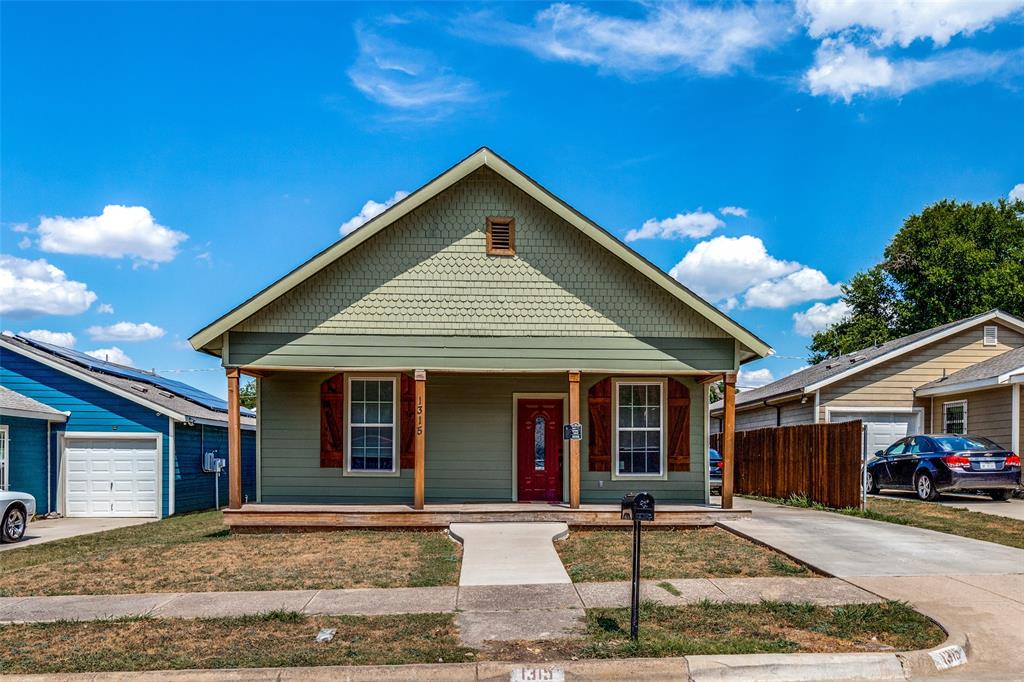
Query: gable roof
x: 172, y: 398
x: 829, y: 371
x: 753, y: 347
x: 991, y: 372
x: 14, y: 404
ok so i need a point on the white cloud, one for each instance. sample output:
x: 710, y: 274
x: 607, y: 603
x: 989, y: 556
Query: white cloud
x: 904, y: 21
x: 733, y: 210
x: 819, y: 316
x: 806, y: 284
x: 119, y: 232
x: 844, y: 70
x: 34, y: 287
x: 105, y: 309
x: 1017, y: 193
x: 696, y: 224
x: 705, y: 38
x: 126, y: 331
x: 24, y: 243
x: 407, y: 78
x: 112, y: 354
x: 20, y: 227
x: 754, y: 378
x: 725, y: 266
x: 371, y: 209
x: 65, y: 339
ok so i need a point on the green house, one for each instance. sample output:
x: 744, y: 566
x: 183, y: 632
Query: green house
x: 437, y: 353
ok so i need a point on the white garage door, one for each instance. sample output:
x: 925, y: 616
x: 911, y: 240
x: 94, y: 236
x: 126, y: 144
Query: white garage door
x: 111, y: 476
x: 881, y: 429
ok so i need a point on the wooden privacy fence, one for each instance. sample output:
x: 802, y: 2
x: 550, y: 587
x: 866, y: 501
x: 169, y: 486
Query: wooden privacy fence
x: 819, y: 461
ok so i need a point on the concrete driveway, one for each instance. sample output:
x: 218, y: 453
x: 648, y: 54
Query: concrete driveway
x: 48, y: 530
x: 1011, y: 509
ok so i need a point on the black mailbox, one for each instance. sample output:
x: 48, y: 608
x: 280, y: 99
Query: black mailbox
x: 638, y: 507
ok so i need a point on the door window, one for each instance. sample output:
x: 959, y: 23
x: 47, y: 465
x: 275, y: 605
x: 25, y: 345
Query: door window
x: 539, y: 450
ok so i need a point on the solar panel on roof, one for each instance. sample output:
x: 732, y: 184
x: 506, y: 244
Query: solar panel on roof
x: 178, y: 388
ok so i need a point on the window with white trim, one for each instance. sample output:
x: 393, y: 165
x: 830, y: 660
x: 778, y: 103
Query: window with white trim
x: 990, y: 336
x: 954, y: 417
x: 4, y: 458
x: 639, y: 428
x: 372, y: 405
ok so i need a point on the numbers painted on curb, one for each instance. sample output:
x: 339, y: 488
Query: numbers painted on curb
x: 949, y: 657
x: 537, y: 675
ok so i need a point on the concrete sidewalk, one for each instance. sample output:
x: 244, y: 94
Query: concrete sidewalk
x: 48, y: 530
x: 510, y: 553
x: 467, y: 599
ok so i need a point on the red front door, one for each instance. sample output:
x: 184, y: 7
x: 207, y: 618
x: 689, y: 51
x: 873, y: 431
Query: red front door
x: 539, y: 449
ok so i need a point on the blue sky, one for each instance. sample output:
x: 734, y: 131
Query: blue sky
x: 160, y: 162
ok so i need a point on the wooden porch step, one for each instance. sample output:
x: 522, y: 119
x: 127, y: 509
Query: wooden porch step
x: 311, y: 517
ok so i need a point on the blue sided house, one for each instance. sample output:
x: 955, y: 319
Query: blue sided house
x: 93, y: 438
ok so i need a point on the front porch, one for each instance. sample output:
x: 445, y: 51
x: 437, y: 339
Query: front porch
x: 313, y: 517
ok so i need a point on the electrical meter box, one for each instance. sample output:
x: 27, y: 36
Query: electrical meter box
x: 212, y: 464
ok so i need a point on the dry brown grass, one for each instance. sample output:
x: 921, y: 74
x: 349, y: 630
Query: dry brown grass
x: 195, y: 553
x: 604, y: 555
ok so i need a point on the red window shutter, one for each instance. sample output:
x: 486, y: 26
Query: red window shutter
x: 678, y: 426
x: 332, y: 422
x: 599, y: 406
x: 407, y: 423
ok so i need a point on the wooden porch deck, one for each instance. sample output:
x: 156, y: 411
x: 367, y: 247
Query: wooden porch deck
x: 313, y: 517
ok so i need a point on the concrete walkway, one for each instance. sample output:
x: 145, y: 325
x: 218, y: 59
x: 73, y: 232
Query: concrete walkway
x: 510, y: 553
x: 849, y: 546
x: 48, y: 530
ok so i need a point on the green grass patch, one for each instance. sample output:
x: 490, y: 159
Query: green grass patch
x: 930, y: 515
x: 195, y: 553
x: 606, y: 555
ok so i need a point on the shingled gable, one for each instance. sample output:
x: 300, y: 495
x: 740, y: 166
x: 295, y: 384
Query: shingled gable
x: 207, y: 339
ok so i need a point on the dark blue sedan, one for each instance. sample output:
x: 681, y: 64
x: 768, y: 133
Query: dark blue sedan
x: 943, y: 463
x: 715, y: 471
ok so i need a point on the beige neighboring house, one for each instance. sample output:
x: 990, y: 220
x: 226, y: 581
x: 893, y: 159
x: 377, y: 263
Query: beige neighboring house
x: 964, y: 376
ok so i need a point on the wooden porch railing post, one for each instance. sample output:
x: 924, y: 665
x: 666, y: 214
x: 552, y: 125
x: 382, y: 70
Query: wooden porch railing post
x: 234, y: 442
x: 419, y: 467
x: 574, y: 445
x: 728, y: 438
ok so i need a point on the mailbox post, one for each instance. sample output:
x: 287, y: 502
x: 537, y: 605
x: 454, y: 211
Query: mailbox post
x: 636, y: 507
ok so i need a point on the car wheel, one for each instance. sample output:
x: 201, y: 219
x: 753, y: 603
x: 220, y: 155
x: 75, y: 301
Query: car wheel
x: 870, y: 484
x: 925, y: 487
x: 1000, y: 495
x: 14, y: 524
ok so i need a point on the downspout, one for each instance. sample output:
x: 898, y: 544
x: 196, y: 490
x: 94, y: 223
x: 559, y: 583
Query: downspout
x: 172, y: 466
x: 1015, y: 418
x: 49, y: 468
x: 817, y: 406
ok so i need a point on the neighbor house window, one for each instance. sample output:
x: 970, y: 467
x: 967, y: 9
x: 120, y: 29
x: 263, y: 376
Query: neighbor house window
x: 639, y: 428
x: 371, y: 425
x: 501, y: 236
x: 954, y: 416
x: 4, y: 461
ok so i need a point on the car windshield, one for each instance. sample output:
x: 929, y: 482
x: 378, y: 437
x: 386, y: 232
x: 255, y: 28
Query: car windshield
x: 965, y: 443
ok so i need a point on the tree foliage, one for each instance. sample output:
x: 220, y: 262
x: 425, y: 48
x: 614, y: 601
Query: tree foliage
x: 952, y: 261
x: 247, y: 394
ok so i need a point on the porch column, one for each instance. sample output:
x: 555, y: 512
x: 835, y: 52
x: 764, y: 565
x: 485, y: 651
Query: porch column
x: 419, y: 467
x: 234, y: 442
x: 728, y: 437
x: 574, y: 445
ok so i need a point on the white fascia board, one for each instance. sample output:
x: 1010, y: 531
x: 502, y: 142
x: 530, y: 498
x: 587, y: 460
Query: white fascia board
x: 995, y: 315
x: 89, y: 379
x: 33, y: 414
x: 1015, y: 375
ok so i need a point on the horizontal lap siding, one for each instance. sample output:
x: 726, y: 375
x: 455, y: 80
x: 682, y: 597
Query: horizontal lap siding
x: 493, y: 352
x: 988, y: 414
x: 681, y: 486
x: 27, y: 457
x: 193, y: 487
x: 891, y: 384
x: 92, y: 408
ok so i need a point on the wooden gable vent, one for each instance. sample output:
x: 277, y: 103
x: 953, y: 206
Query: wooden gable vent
x: 501, y: 236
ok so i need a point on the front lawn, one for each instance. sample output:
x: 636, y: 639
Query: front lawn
x: 196, y: 553
x: 606, y: 555
x: 945, y: 519
x: 285, y: 639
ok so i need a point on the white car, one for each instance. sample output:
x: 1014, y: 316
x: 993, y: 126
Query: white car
x: 17, y: 509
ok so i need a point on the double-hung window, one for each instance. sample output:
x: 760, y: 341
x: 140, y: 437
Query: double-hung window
x: 639, y: 429
x: 372, y: 405
x: 954, y: 416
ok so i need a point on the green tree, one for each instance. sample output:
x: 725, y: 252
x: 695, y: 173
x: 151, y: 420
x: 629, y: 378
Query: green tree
x: 952, y: 261
x: 247, y: 394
